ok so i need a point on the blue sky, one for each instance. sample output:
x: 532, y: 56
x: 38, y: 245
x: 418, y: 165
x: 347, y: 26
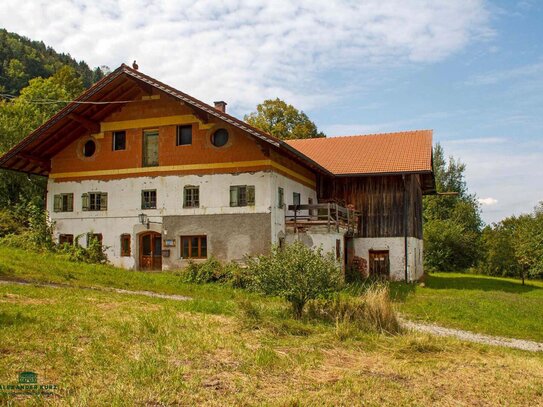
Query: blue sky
x: 471, y: 70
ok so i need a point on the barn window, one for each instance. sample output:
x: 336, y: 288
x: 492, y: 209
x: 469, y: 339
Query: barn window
x: 184, y: 135
x: 89, y: 148
x: 148, y: 199
x: 194, y: 247
x: 125, y: 244
x: 242, y: 195
x: 63, y: 203
x: 191, y: 197
x: 119, y: 140
x: 296, y: 198
x: 94, y: 201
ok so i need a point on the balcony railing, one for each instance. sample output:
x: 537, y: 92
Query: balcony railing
x: 333, y: 217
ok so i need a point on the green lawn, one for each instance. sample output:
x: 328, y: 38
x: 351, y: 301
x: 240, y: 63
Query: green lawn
x: 497, y: 306
x: 103, y: 348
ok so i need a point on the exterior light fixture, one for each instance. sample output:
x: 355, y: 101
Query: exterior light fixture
x: 144, y: 219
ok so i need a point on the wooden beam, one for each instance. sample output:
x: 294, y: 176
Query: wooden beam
x: 90, y: 125
x: 41, y: 162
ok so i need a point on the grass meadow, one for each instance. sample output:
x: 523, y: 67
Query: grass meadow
x: 230, y: 347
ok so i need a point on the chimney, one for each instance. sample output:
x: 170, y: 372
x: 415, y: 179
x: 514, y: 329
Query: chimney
x: 221, y: 105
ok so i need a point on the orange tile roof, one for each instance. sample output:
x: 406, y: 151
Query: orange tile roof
x: 407, y: 151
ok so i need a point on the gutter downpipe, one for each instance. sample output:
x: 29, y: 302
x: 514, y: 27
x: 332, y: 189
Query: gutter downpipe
x: 405, y: 227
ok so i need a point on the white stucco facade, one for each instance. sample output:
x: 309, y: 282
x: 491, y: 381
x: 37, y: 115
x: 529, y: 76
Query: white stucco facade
x: 396, y: 248
x: 124, y: 205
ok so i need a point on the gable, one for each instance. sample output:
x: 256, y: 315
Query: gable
x: 86, y: 115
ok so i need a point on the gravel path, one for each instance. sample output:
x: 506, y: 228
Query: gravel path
x: 115, y: 290
x: 474, y: 337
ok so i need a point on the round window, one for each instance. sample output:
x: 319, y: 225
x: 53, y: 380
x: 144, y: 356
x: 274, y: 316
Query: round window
x: 89, y: 148
x: 219, y: 138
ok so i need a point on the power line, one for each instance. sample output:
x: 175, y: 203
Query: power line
x: 53, y: 101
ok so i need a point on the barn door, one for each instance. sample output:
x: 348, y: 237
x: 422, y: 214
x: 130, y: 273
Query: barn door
x: 150, y: 251
x: 379, y: 264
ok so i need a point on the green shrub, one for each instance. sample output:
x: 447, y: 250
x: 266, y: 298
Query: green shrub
x: 296, y: 273
x: 213, y: 271
x: 93, y: 253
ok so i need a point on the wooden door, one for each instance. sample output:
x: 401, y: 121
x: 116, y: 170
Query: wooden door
x: 150, y: 148
x: 379, y: 264
x: 150, y: 244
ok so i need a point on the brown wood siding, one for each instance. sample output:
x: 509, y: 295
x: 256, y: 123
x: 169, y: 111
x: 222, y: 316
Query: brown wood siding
x: 380, y: 201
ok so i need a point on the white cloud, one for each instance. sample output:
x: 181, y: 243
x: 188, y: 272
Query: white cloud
x: 520, y: 72
x: 244, y: 51
x: 488, y: 201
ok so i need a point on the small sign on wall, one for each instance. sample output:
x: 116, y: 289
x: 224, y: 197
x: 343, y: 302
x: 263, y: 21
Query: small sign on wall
x: 169, y: 242
x: 165, y: 253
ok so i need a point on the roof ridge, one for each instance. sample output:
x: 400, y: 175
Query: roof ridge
x: 363, y: 135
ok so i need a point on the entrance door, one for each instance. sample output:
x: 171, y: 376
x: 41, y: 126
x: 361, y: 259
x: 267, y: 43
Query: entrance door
x: 150, y: 251
x: 379, y: 264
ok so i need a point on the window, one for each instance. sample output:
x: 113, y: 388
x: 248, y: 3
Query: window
x: 150, y: 148
x: 89, y: 148
x: 242, y: 195
x: 94, y: 236
x: 219, y: 138
x: 63, y: 203
x: 184, y: 136
x: 338, y: 249
x: 280, y: 197
x: 66, y: 239
x: 191, y: 197
x: 296, y: 198
x: 94, y: 201
x: 148, y: 199
x: 119, y: 140
x: 194, y: 247
x: 125, y: 244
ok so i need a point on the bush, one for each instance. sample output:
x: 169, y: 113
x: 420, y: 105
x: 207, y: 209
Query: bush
x: 296, y: 273
x: 213, y: 271
x: 371, y: 311
x: 93, y: 253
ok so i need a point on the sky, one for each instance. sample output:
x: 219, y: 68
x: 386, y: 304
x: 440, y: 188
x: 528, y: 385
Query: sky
x: 471, y: 70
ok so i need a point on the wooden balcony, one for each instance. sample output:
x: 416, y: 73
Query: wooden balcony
x: 323, y: 218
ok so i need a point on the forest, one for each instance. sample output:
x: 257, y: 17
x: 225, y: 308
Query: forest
x: 455, y: 237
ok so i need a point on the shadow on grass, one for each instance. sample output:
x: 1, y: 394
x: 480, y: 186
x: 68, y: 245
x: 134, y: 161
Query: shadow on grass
x: 471, y: 282
x: 14, y: 319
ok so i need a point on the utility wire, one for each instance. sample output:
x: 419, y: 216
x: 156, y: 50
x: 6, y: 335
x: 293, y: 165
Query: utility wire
x: 52, y: 101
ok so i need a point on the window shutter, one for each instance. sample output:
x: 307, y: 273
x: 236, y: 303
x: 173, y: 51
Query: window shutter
x: 103, y: 201
x: 233, y: 196
x: 57, y: 203
x: 70, y: 202
x: 250, y: 194
x: 85, y: 202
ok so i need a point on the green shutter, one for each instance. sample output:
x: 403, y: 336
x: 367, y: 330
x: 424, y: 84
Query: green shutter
x: 70, y: 203
x: 250, y: 194
x: 57, y: 203
x: 233, y: 196
x: 103, y: 201
x: 85, y: 202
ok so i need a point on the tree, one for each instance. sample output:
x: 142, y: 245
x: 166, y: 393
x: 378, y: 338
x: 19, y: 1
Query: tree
x: 296, y: 273
x: 282, y: 120
x: 452, y: 224
x: 19, y: 117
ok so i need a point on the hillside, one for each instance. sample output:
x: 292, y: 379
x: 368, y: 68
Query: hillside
x: 22, y: 59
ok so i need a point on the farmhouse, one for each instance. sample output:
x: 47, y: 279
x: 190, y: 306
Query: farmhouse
x: 161, y: 178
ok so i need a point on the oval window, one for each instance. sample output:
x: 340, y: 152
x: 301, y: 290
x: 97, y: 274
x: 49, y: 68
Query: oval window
x: 89, y: 148
x: 219, y: 138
